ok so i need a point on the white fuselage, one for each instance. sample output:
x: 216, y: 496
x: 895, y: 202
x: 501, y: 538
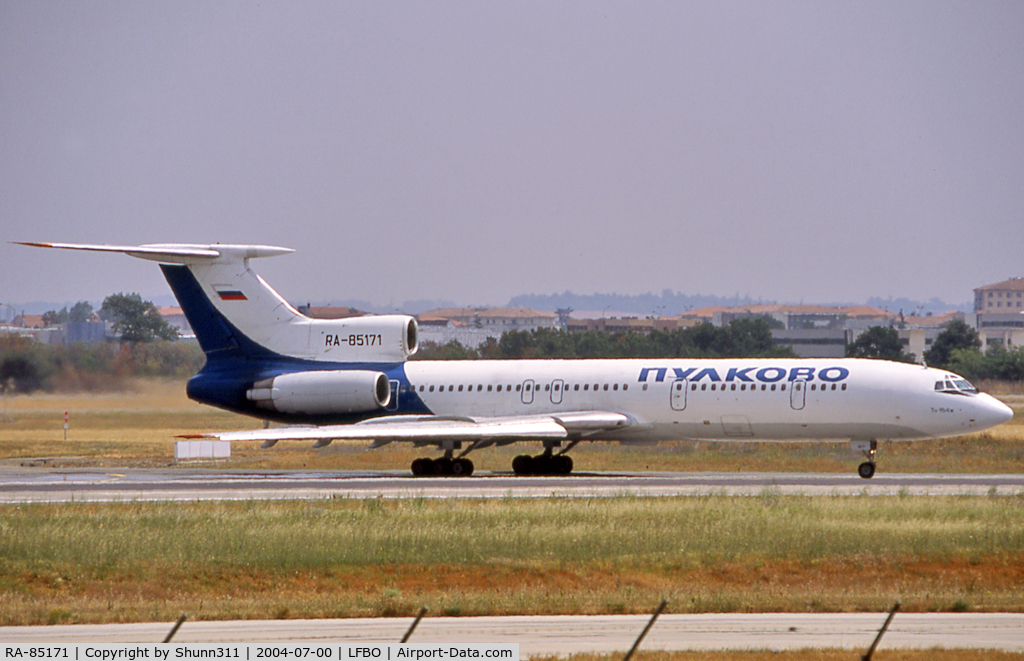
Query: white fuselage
x: 738, y: 399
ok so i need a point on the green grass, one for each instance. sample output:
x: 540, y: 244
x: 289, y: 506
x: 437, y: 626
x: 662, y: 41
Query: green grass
x: 690, y: 530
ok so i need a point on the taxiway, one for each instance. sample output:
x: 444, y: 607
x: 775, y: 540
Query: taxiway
x: 42, y: 484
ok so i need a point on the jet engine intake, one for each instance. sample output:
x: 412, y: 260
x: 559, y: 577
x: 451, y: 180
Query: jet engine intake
x: 323, y: 392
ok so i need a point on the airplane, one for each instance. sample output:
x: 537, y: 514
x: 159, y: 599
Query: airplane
x: 351, y: 379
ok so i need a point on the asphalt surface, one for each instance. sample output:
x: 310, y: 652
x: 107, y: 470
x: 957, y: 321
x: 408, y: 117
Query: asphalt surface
x: 38, y: 483
x: 569, y: 634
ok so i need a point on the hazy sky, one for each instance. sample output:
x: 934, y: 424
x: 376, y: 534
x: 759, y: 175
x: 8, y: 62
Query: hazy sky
x: 816, y: 151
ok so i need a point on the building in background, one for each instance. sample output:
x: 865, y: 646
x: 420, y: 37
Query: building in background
x: 999, y: 314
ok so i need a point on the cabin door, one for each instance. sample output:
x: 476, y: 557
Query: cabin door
x: 556, y: 391
x: 396, y: 386
x: 798, y: 394
x: 678, y: 394
x: 528, y: 391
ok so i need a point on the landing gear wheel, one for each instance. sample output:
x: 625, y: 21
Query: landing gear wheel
x: 542, y: 464
x: 866, y: 470
x: 422, y: 466
x: 461, y: 467
x: 442, y: 466
x: 523, y: 465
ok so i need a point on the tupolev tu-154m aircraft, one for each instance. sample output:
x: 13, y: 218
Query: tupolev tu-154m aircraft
x: 351, y: 379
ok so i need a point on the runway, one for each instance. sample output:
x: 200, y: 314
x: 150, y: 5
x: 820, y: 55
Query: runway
x: 569, y: 634
x: 20, y: 484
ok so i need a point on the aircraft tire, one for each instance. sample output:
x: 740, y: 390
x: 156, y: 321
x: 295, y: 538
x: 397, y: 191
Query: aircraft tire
x: 523, y: 465
x: 563, y: 463
x: 442, y: 466
x: 422, y: 466
x: 461, y: 467
x: 866, y: 470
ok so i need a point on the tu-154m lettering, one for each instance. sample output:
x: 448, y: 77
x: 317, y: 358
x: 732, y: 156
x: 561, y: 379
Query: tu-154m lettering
x: 330, y: 379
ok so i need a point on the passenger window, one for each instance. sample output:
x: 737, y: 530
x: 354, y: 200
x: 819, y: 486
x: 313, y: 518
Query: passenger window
x: 576, y: 387
x: 693, y: 386
x: 586, y: 386
x: 645, y: 387
x: 451, y: 388
x: 490, y: 388
x: 606, y: 387
x: 625, y: 386
x: 615, y: 387
x: 773, y: 386
x: 844, y: 387
x: 833, y: 386
x: 743, y: 386
x: 703, y: 386
x: 460, y: 388
x: 713, y: 386
x: 547, y: 387
x: 431, y: 388
x: 764, y: 387
x: 783, y: 387
x: 733, y: 387
x: 518, y: 388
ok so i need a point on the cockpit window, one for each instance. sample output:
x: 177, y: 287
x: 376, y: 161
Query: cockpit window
x: 965, y: 385
x: 955, y: 384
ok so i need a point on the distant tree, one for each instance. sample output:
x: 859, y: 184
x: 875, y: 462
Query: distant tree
x: 136, y: 320
x: 453, y: 350
x: 956, y: 335
x: 54, y: 318
x: 80, y: 312
x: 881, y: 343
x: 25, y: 365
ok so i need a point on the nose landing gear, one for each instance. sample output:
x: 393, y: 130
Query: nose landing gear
x: 866, y: 469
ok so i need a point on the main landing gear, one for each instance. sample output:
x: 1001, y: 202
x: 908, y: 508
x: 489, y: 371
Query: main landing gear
x: 448, y: 465
x: 547, y: 463
x: 426, y: 467
x: 866, y: 469
x: 542, y: 464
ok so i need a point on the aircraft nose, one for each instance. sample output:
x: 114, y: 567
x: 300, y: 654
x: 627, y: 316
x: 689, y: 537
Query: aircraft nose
x: 992, y: 412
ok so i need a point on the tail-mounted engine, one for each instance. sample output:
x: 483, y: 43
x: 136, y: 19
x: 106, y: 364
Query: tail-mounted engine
x: 323, y: 392
x: 384, y: 338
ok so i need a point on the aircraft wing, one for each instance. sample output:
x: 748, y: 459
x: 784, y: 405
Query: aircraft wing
x: 430, y: 430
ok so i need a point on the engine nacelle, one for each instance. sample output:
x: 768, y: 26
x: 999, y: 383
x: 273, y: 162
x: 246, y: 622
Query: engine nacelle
x: 371, y: 339
x: 323, y: 392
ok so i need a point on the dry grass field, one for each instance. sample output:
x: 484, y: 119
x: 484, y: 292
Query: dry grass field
x: 338, y: 557
x: 137, y: 428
